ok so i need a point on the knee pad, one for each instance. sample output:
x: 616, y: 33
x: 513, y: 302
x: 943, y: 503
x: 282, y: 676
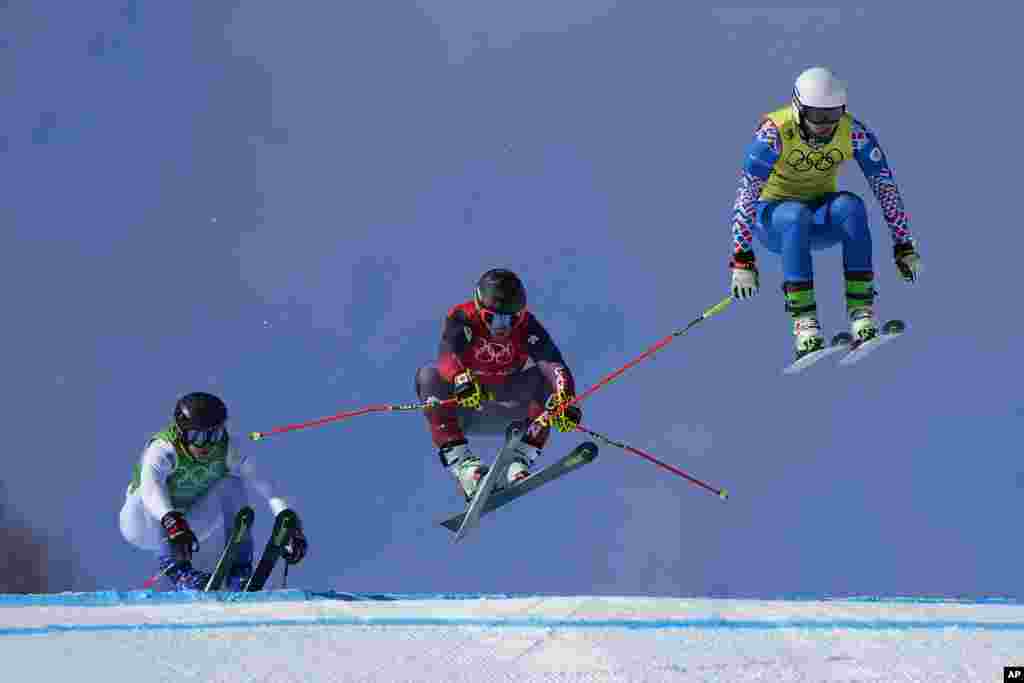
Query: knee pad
x: 790, y: 216
x: 847, y: 204
x: 427, y: 381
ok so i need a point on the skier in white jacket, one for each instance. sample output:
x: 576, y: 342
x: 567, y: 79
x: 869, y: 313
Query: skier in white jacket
x: 191, y: 481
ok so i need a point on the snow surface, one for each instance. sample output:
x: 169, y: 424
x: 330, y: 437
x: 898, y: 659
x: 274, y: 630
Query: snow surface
x: 295, y: 635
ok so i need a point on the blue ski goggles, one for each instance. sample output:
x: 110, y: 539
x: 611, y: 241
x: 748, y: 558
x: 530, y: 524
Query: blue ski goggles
x: 201, y: 438
x: 499, y: 323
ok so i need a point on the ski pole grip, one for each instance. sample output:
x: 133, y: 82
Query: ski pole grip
x: 719, y: 307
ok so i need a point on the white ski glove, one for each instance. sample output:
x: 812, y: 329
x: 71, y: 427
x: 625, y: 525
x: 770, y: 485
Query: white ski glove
x: 745, y: 281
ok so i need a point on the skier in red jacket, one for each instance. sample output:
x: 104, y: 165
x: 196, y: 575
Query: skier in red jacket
x: 504, y: 370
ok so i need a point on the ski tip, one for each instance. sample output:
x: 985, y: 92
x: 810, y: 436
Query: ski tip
x: 723, y: 494
x: 255, y: 436
x: 894, y: 327
x: 288, y: 517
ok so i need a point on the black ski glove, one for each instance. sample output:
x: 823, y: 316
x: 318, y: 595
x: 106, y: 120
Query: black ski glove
x: 179, y: 535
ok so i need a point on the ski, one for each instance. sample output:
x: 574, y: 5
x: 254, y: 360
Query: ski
x: 840, y: 342
x: 498, y: 469
x: 890, y: 331
x: 578, y: 457
x: 243, y: 525
x: 285, y: 521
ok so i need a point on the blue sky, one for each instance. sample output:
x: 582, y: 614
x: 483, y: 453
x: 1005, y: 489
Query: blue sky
x: 279, y: 204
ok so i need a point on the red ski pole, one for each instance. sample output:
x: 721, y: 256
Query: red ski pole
x: 717, y: 308
x: 256, y: 436
x: 151, y: 581
x: 721, y: 493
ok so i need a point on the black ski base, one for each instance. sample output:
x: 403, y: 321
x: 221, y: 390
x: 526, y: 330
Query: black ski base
x: 285, y: 521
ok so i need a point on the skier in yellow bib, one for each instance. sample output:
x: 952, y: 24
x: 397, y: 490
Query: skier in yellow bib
x: 789, y: 198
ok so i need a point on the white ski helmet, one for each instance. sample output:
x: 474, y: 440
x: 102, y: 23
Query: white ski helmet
x: 818, y: 98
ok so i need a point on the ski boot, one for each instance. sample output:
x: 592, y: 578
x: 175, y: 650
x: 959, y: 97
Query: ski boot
x: 525, y: 455
x: 807, y: 335
x: 183, y: 575
x: 863, y: 325
x: 519, y: 469
x: 462, y: 464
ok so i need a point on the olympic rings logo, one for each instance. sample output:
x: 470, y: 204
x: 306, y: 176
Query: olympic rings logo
x: 821, y: 161
x: 494, y: 352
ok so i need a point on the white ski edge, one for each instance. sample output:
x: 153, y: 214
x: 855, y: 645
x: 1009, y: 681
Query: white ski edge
x: 812, y: 358
x: 866, y: 348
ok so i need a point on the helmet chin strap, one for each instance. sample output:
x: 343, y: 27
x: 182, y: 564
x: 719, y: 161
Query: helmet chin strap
x: 812, y: 139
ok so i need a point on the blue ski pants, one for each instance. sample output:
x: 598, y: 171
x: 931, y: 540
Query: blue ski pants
x: 794, y: 229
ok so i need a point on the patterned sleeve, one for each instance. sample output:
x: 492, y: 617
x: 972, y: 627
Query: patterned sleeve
x: 871, y: 158
x: 762, y: 154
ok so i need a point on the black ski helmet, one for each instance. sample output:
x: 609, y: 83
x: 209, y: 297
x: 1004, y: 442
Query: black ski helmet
x: 199, y: 410
x: 501, y: 291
